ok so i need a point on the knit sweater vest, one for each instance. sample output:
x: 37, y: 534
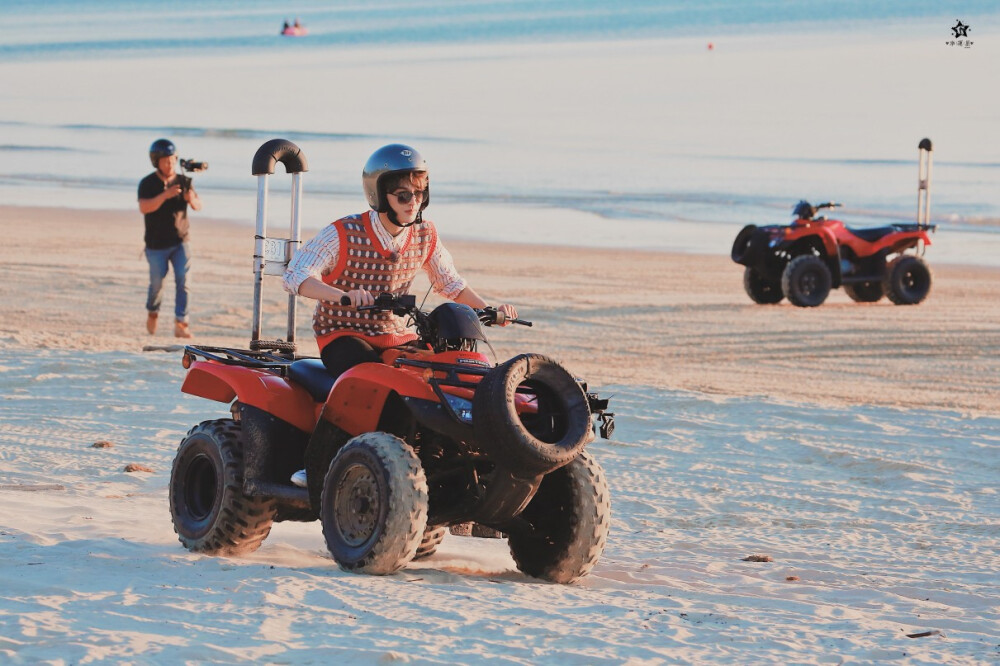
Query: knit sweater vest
x: 364, y: 264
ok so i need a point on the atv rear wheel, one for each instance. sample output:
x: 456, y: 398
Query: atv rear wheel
x: 806, y: 281
x: 531, y: 443
x: 209, y: 510
x: 760, y: 289
x: 907, y: 280
x: 569, y: 519
x: 865, y: 292
x: 433, y: 536
x: 374, y: 504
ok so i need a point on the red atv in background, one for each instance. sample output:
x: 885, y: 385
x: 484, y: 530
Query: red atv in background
x: 435, y: 435
x: 804, y: 260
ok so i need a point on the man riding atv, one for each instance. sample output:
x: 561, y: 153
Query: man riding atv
x: 378, y: 251
x: 425, y: 437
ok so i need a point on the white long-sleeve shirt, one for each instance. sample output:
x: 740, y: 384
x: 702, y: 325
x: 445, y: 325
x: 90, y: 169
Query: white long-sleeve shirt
x: 320, y: 255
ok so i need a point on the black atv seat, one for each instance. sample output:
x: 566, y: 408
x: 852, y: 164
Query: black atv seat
x: 311, y: 374
x: 872, y: 234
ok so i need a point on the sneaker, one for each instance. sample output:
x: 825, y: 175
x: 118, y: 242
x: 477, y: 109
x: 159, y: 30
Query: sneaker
x: 299, y: 479
x: 151, y: 318
x: 181, y: 330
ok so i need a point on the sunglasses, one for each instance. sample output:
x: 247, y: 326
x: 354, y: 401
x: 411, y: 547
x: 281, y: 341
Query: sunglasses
x: 406, y: 196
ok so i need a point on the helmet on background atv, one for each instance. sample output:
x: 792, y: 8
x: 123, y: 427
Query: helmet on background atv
x: 159, y: 149
x: 394, y: 158
x: 804, y: 210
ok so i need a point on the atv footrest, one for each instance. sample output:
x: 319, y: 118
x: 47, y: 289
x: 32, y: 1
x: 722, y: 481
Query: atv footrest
x: 287, y: 493
x: 857, y: 279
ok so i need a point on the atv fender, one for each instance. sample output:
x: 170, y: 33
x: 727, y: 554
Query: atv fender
x: 819, y: 240
x: 263, y: 390
x: 358, y: 398
x: 827, y: 240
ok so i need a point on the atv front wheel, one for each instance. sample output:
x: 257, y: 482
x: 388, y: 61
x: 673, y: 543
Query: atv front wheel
x: 374, y: 504
x: 540, y: 435
x: 760, y: 289
x: 569, y: 518
x: 907, y: 280
x: 865, y: 292
x: 806, y: 281
x: 209, y: 510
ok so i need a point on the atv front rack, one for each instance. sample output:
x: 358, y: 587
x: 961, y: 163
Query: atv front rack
x: 598, y: 406
x: 450, y: 379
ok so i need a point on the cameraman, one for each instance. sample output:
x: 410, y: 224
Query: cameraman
x: 164, y: 196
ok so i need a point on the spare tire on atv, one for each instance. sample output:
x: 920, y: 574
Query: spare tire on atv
x: 907, y: 280
x: 745, y: 251
x: 209, y: 510
x: 374, y: 504
x: 569, y: 519
x: 531, y: 443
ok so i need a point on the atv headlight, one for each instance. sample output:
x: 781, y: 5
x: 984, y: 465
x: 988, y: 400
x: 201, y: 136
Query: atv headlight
x: 461, y: 407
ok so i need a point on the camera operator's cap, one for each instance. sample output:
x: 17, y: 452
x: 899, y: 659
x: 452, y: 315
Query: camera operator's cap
x: 391, y: 159
x: 161, y: 148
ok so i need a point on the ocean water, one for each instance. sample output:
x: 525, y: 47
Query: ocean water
x: 80, y: 102
x: 124, y: 28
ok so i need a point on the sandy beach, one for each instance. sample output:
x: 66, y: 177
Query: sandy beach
x: 851, y: 448
x: 666, y: 320
x: 788, y: 485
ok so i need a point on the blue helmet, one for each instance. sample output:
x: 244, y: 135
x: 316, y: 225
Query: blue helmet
x: 387, y: 160
x: 161, y: 148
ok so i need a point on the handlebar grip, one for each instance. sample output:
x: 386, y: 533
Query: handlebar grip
x: 498, y: 318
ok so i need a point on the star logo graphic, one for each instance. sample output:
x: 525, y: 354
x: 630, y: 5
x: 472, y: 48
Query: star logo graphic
x: 960, y: 29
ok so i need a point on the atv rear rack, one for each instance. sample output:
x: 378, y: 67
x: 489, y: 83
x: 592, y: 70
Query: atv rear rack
x: 247, y: 358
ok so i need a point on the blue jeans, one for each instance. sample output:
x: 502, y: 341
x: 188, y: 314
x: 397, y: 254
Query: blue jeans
x: 178, y: 256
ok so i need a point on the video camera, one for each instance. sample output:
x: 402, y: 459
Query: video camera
x: 190, y: 166
x: 193, y: 166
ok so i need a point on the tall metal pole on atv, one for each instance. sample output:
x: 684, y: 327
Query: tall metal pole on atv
x: 924, y: 183
x: 271, y: 255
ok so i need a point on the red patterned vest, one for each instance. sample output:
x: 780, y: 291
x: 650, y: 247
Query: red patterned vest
x: 365, y: 264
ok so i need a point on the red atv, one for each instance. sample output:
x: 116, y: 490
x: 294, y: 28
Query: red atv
x: 435, y: 435
x: 803, y: 261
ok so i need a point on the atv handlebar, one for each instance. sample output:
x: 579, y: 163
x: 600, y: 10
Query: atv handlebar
x: 407, y: 304
x: 491, y: 316
x: 385, y: 302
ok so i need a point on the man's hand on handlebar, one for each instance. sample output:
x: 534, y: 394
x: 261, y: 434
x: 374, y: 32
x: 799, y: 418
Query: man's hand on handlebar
x: 357, y: 298
x: 502, y: 316
x: 506, y: 314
